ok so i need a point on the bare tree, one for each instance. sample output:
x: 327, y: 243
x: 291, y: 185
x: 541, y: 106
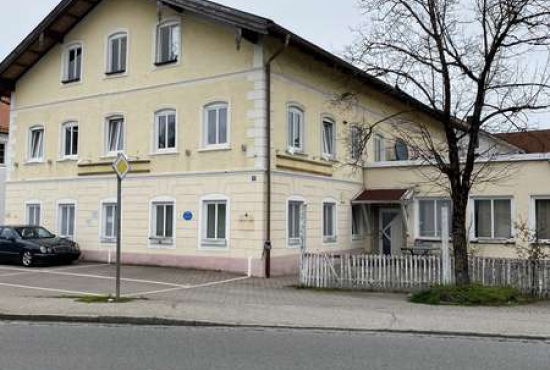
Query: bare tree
x: 479, y: 64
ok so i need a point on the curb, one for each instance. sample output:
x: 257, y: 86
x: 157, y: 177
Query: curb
x: 153, y: 321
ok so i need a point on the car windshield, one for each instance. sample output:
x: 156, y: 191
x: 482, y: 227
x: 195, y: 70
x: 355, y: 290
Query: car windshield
x: 33, y: 233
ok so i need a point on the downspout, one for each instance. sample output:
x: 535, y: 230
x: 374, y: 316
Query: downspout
x: 267, y: 69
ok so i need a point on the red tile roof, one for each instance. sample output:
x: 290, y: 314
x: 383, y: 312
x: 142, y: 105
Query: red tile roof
x: 4, y: 117
x: 381, y: 196
x: 530, y: 141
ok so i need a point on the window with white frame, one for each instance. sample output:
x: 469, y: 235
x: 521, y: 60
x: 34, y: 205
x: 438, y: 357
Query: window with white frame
x: 2, y: 154
x: 294, y: 217
x: 542, y: 219
x: 215, y: 223
x: 165, y: 130
x: 69, y: 139
x: 329, y: 138
x: 108, y: 224
x: 115, y: 135
x: 356, y: 143
x: 379, y: 148
x: 168, y: 42
x: 117, y: 47
x: 73, y: 64
x: 67, y: 220
x: 357, y: 221
x: 215, y: 130
x: 493, y: 218
x: 329, y: 222
x: 295, y: 129
x: 162, y: 227
x: 430, y: 216
x: 33, y: 214
x: 36, y: 144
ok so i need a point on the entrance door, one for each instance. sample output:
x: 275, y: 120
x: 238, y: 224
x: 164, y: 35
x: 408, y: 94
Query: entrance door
x: 391, y: 232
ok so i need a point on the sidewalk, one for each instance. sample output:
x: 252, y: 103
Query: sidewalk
x: 273, y: 303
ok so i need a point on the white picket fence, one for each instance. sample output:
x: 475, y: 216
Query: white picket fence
x: 413, y: 273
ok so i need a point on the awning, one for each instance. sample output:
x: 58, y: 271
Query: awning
x: 382, y: 196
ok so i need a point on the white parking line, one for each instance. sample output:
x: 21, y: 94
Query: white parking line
x: 61, y: 273
x: 50, y: 290
x: 79, y: 267
x: 14, y: 274
x: 186, y: 288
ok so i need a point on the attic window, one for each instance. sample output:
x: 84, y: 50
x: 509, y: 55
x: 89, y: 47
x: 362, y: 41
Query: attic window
x: 72, y: 64
x: 168, y: 43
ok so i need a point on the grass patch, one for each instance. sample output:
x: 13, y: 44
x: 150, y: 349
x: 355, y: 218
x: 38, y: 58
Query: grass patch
x: 471, y: 295
x: 100, y: 299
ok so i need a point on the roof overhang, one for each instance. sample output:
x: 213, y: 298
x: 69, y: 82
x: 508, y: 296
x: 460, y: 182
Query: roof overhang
x: 46, y: 35
x: 383, y: 196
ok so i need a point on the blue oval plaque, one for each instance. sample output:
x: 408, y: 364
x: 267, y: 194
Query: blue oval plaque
x: 188, y: 216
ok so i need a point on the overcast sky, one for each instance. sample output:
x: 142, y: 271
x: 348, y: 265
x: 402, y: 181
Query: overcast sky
x: 328, y: 25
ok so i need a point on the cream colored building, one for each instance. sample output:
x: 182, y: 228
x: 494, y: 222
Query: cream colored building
x: 183, y: 87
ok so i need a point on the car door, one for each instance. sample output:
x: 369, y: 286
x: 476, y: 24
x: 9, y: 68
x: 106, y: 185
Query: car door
x: 13, y: 245
x: 6, y: 244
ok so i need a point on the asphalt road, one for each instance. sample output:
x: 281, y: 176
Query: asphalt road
x: 77, y: 347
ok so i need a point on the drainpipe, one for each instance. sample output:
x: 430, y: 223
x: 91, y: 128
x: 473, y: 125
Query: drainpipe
x: 267, y: 69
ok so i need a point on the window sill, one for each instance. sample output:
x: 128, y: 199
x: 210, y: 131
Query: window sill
x: 70, y: 82
x: 329, y: 158
x: 167, y: 152
x: 115, y: 74
x: 155, y: 243
x: 215, y: 148
x: 35, y: 162
x: 330, y: 240
x: 166, y: 63
x: 297, y: 152
x: 214, y: 245
x: 112, y: 155
x: 293, y: 246
x: 107, y: 241
x: 67, y: 159
x: 493, y: 241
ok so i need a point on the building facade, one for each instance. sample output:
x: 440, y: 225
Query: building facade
x: 240, y: 147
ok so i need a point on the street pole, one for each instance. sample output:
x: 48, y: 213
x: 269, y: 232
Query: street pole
x: 121, y: 167
x: 118, y: 236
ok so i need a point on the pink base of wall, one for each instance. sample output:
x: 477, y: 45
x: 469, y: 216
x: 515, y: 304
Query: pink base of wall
x: 280, y: 266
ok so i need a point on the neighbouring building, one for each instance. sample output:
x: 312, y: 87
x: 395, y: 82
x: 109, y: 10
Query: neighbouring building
x: 235, y: 140
x: 4, y: 132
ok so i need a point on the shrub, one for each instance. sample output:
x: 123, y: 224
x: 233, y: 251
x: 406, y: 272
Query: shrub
x: 471, y: 295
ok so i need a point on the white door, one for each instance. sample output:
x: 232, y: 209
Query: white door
x: 391, y: 232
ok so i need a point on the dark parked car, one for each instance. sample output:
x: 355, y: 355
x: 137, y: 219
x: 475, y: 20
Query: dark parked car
x: 30, y: 245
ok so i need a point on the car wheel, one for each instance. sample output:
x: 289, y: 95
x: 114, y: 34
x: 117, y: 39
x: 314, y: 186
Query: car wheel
x: 27, y: 259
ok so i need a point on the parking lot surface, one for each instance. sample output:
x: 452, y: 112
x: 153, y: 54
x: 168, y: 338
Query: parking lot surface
x: 95, y: 279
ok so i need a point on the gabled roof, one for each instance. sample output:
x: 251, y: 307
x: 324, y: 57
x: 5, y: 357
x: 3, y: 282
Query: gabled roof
x: 68, y: 13
x: 530, y: 141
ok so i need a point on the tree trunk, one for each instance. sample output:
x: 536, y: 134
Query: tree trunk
x: 460, y: 240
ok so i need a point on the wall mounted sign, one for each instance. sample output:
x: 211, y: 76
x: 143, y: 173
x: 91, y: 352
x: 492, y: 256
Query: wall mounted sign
x: 188, y: 216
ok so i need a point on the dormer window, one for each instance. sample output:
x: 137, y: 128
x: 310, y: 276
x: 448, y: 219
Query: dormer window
x: 117, y: 48
x: 168, y: 43
x: 72, y: 64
